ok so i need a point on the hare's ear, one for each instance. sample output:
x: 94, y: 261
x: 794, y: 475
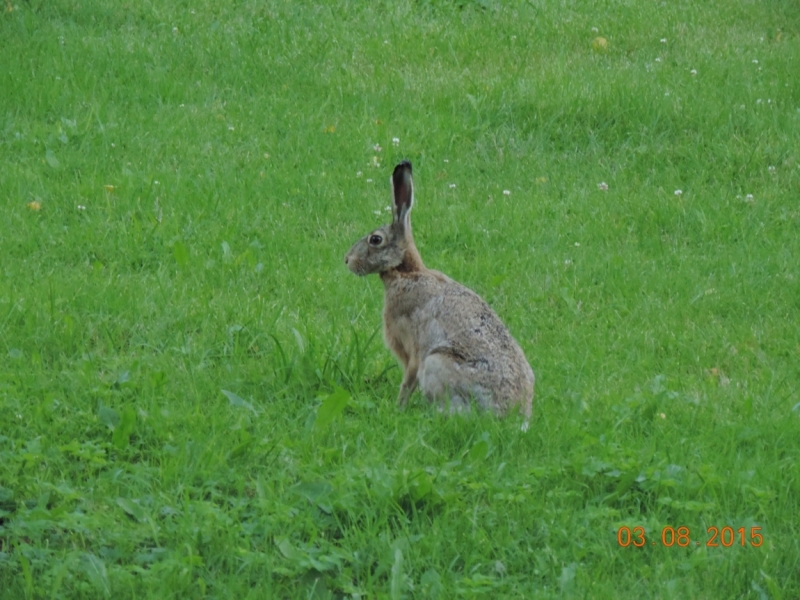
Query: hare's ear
x: 402, y: 192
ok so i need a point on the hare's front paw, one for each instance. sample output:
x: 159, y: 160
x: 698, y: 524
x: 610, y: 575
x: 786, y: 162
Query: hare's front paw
x: 404, y: 395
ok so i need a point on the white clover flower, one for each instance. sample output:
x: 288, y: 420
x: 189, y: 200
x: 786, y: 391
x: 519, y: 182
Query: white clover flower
x: 452, y: 186
x: 395, y: 141
x: 568, y: 261
x: 693, y: 72
x: 377, y: 213
x: 506, y: 192
x: 658, y: 59
x: 595, y: 30
x: 602, y: 186
x: 755, y: 61
x: 369, y: 180
x: 748, y: 198
x: 231, y: 127
x: 359, y: 173
x: 388, y: 209
x: 447, y: 161
x: 663, y: 40
x: 771, y: 169
x: 81, y: 207
x: 377, y: 148
x: 577, y: 244
x: 678, y: 192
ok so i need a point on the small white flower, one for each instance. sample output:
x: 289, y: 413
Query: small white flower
x: 230, y: 128
x: 395, y: 141
x: 388, y: 209
x: 174, y: 31
x: 758, y: 101
x: 693, y: 72
x: 663, y: 40
x: 359, y: 174
x: 113, y: 145
x: 386, y: 42
x: 568, y: 261
x: 658, y: 59
x: 577, y: 244
x: 678, y: 192
x: 666, y: 93
x: 602, y: 186
x: 755, y: 61
x: 156, y: 182
x: 182, y: 105
x: 595, y: 30
x: 447, y: 161
x: 662, y: 415
x: 377, y: 148
x: 81, y: 207
x: 506, y: 192
x: 369, y: 180
x: 452, y: 186
x: 513, y: 37
x: 377, y: 213
x: 748, y: 198
x: 771, y: 169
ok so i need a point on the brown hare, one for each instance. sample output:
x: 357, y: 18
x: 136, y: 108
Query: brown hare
x: 445, y: 336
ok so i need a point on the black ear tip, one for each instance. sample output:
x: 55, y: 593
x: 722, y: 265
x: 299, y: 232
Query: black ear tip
x: 405, y: 165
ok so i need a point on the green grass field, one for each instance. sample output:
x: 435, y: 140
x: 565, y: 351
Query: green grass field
x: 195, y: 400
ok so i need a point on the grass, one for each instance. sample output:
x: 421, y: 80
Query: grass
x: 194, y: 397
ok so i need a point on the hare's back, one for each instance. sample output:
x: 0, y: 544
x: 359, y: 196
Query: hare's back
x: 472, y: 328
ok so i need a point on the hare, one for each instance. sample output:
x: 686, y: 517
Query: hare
x: 447, y: 339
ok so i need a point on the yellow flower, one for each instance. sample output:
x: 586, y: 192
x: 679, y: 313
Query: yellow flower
x: 109, y: 188
x: 599, y: 44
x: 34, y: 205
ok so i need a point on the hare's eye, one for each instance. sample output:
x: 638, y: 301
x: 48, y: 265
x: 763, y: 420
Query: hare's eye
x: 375, y: 240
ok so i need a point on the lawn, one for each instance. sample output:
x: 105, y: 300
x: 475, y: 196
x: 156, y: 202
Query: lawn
x: 195, y: 400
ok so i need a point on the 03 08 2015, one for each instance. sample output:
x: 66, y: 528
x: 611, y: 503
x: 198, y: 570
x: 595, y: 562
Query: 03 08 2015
x: 725, y: 537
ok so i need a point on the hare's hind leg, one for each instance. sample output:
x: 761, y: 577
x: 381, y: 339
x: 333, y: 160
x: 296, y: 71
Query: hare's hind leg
x: 443, y: 379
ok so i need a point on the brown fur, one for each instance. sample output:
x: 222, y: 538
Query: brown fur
x: 447, y: 339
